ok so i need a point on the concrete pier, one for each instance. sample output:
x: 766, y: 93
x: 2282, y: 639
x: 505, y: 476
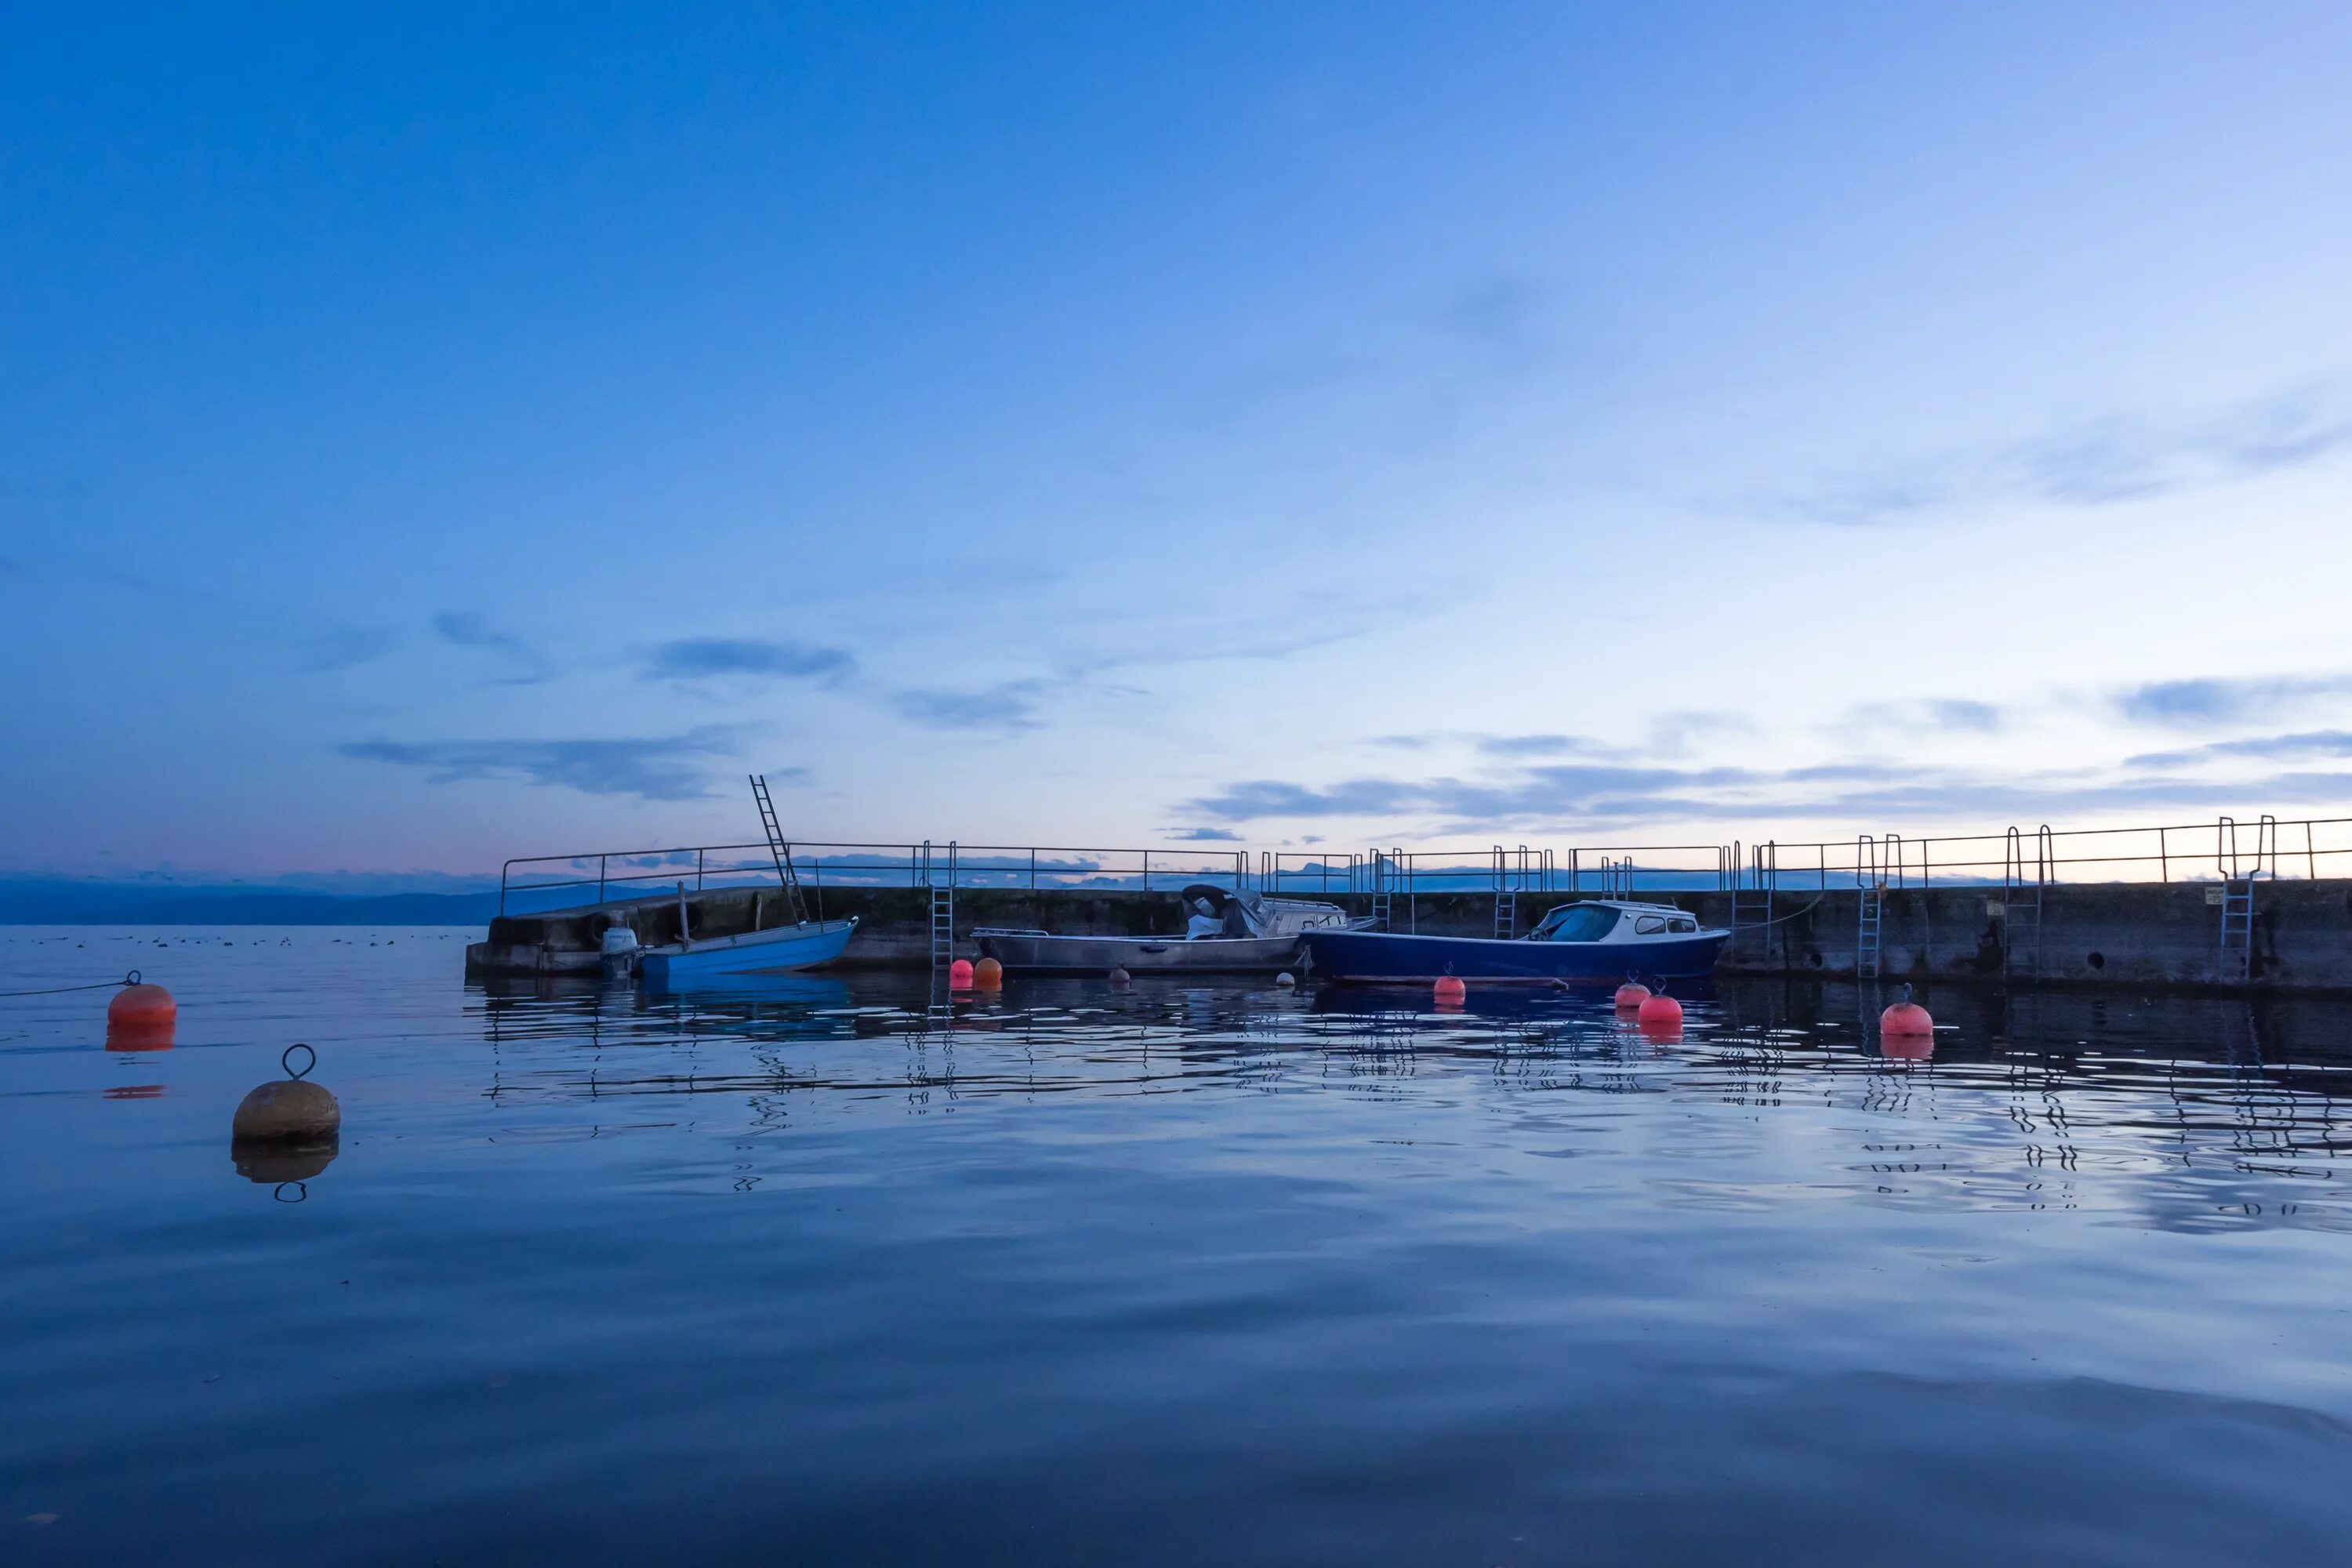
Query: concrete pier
x: 2099, y: 935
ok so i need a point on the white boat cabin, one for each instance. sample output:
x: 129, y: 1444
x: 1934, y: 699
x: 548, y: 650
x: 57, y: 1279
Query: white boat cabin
x: 1614, y: 920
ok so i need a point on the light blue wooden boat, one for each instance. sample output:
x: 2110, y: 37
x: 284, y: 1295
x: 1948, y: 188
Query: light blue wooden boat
x: 775, y: 951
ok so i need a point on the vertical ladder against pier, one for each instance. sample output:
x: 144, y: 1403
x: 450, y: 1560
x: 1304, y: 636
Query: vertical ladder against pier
x: 1753, y: 883
x: 1510, y: 880
x: 777, y: 848
x: 1870, y: 879
x: 940, y: 880
x: 2023, y: 888
x: 2237, y: 958
x: 1384, y: 875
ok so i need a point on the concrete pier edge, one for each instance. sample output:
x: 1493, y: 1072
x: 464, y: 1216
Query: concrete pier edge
x: 2099, y: 935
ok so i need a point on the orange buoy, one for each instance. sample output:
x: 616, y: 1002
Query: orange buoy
x: 1631, y: 995
x: 1451, y: 991
x: 142, y: 1006
x: 1660, y: 1016
x: 988, y: 975
x: 1906, y: 1025
x: 960, y: 974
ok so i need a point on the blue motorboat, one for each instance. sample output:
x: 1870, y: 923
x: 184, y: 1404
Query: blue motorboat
x: 776, y: 951
x: 1592, y: 940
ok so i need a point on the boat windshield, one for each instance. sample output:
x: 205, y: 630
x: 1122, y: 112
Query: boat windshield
x: 1576, y: 922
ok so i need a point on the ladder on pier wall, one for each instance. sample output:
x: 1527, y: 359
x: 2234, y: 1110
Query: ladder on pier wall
x: 2238, y: 876
x: 1385, y: 877
x: 1511, y: 878
x: 940, y: 878
x: 1755, y: 877
x: 1870, y: 879
x: 783, y: 852
x: 2022, y: 887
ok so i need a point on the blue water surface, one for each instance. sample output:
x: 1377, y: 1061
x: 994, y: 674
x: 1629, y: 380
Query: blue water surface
x: 837, y: 1270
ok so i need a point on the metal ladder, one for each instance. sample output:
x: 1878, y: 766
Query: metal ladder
x: 1752, y: 887
x: 1385, y: 878
x: 942, y: 903
x: 2237, y: 955
x: 2021, y: 901
x: 788, y: 878
x: 1870, y: 877
x: 1511, y: 878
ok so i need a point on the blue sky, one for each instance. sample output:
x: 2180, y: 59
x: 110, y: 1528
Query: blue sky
x: 433, y: 436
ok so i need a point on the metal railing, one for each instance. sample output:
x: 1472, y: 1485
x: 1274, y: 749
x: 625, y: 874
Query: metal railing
x: 2221, y: 849
x: 628, y: 873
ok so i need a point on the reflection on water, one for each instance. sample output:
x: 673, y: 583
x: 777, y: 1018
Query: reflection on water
x: 847, y: 1268
x: 2204, y: 1112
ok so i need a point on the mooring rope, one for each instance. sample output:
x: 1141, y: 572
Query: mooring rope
x: 130, y: 979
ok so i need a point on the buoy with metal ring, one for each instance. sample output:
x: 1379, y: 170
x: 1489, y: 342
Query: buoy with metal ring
x: 1285, y: 980
x: 1119, y: 977
x: 1450, y: 990
x: 1660, y: 1015
x: 1907, y: 1022
x: 139, y: 1005
x: 1631, y: 995
x: 291, y: 1110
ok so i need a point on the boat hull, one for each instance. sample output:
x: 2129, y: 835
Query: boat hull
x: 1372, y: 957
x: 1032, y: 953
x: 775, y: 952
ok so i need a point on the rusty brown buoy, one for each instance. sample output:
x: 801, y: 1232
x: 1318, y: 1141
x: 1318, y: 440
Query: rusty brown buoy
x: 287, y: 1129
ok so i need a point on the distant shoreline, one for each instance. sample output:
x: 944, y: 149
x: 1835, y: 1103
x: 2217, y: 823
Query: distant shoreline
x: 44, y: 902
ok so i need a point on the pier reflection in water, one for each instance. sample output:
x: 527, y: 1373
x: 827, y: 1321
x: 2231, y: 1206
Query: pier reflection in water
x: 844, y: 1269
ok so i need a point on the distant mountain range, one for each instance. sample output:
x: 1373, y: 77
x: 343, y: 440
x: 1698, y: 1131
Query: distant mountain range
x: 62, y: 900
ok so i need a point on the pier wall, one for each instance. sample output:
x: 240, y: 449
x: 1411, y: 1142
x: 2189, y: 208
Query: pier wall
x: 2100, y: 934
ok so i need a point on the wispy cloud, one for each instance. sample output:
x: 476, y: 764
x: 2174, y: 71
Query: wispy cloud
x: 1007, y: 706
x: 698, y: 659
x: 342, y: 647
x: 1946, y: 715
x: 654, y: 768
x: 2217, y: 701
x: 1533, y: 745
x: 525, y: 665
x: 2122, y: 457
x: 1575, y: 798
x: 1201, y: 835
x: 2269, y: 748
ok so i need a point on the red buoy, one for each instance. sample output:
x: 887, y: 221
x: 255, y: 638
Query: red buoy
x: 1451, y: 991
x: 140, y: 1007
x: 988, y: 975
x: 1631, y: 995
x: 1660, y: 1016
x: 960, y: 974
x: 1905, y: 1029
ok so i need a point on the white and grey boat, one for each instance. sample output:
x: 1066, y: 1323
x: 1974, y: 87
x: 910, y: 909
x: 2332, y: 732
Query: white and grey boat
x: 1253, y: 934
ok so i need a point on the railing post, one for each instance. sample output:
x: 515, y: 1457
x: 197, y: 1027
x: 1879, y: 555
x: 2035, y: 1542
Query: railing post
x: 697, y: 870
x: 600, y: 879
x: 2163, y: 860
x: 1147, y: 871
x: 1032, y: 870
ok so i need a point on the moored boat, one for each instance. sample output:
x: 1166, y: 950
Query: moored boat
x: 776, y: 951
x: 1595, y: 940
x: 1252, y: 934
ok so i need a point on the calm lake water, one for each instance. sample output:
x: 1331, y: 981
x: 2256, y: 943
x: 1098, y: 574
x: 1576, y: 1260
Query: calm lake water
x: 824, y: 1271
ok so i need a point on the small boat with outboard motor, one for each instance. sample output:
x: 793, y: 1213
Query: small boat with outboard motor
x: 1230, y: 934
x: 1590, y: 941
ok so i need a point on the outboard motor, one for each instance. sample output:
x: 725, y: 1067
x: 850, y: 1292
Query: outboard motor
x: 619, y: 947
